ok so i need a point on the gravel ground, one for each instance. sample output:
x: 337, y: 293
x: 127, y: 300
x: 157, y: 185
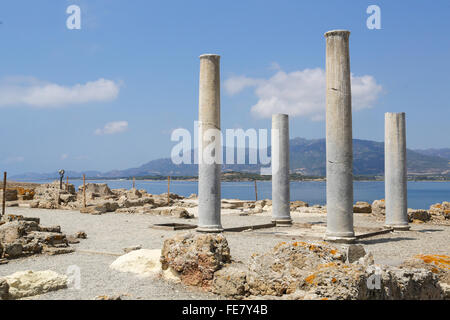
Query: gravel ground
x: 108, y: 234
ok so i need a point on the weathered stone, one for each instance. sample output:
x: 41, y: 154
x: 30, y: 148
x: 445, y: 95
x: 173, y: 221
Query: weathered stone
x: 94, y: 210
x: 143, y: 262
x: 418, y: 214
x: 362, y: 207
x: 355, y: 252
x: 29, y: 283
x: 12, y: 231
x: 11, y: 195
x: 440, y: 210
x: 195, y: 256
x: 379, y: 207
x: 33, y: 247
x: 65, y: 198
x: 53, y: 251
x: 56, y: 229
x: 133, y: 194
x: 13, y: 250
x: 48, y: 238
x: 97, y: 189
x: 231, y: 281
x: 437, y: 264
x: 4, y: 289
x: 317, y: 271
x: 133, y: 248
x: 114, y: 298
x: 298, y: 204
x: 81, y: 235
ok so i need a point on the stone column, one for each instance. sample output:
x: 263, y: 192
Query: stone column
x: 210, y: 145
x: 395, y: 171
x: 281, y: 214
x: 339, y: 148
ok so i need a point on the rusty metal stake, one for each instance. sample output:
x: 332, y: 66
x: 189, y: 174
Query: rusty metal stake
x: 168, y: 190
x: 4, y: 195
x: 84, y: 190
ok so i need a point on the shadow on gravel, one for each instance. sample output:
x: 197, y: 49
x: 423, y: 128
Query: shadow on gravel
x: 429, y: 230
x: 384, y: 240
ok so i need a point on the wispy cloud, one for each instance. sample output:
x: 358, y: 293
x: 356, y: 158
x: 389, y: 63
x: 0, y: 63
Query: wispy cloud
x: 64, y: 156
x: 32, y: 92
x: 112, y: 128
x: 300, y: 93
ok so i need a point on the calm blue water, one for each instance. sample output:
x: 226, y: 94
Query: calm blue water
x: 420, y: 194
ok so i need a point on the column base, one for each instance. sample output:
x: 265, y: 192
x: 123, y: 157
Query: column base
x: 340, y: 237
x: 399, y: 227
x: 209, y: 229
x: 282, y: 222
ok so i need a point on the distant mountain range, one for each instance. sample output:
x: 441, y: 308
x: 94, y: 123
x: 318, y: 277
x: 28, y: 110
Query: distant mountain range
x: 307, y: 157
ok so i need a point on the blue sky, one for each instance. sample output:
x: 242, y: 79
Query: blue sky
x: 135, y: 64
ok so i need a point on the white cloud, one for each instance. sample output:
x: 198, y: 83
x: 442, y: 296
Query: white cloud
x: 237, y: 84
x: 64, y: 156
x: 112, y: 128
x: 35, y: 93
x: 301, y: 93
x: 15, y: 159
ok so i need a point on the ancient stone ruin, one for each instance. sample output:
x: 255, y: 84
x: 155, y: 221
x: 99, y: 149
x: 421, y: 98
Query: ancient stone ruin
x: 302, y: 270
x: 21, y: 236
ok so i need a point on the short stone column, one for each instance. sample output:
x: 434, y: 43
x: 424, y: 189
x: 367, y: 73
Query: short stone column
x: 210, y: 145
x: 395, y: 174
x: 281, y: 214
x: 339, y: 148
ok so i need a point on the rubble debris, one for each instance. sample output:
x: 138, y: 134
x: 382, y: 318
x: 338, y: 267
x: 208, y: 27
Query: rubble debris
x: 440, y: 211
x: 105, y: 297
x: 145, y: 263
x: 31, y: 283
x: 133, y: 248
x: 418, y: 214
x: 195, y: 256
x: 317, y: 270
x: 379, y: 207
x: 21, y: 236
x: 362, y: 207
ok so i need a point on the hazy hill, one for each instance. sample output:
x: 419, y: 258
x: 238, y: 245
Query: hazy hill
x: 307, y: 157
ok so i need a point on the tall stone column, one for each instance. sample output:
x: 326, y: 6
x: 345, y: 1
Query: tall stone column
x: 210, y: 145
x: 339, y: 148
x: 395, y: 171
x: 281, y: 214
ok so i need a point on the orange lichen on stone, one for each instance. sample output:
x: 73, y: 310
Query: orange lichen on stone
x: 310, y: 279
x: 441, y: 261
x: 333, y: 280
x: 326, y: 265
x: 332, y: 251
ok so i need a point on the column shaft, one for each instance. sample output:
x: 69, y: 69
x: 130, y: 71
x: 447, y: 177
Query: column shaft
x: 339, y: 149
x: 210, y: 145
x: 280, y: 170
x: 395, y: 171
